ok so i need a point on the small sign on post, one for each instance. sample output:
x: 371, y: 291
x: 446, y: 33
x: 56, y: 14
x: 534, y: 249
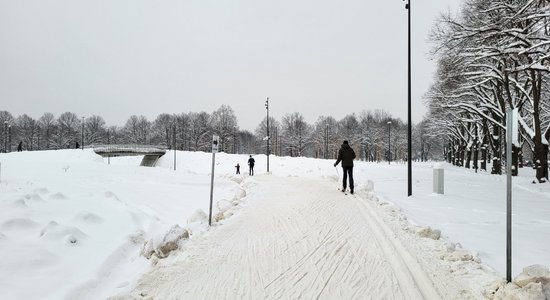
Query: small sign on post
x: 215, y: 145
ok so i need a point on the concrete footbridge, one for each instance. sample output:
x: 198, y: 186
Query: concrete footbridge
x: 151, y: 153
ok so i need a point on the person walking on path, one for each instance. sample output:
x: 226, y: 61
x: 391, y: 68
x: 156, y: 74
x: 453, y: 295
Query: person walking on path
x: 346, y: 155
x: 238, y: 168
x: 251, y: 166
x: 20, y: 147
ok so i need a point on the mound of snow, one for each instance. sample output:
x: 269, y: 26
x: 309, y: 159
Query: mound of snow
x: 532, y: 283
x: 428, y: 232
x: 169, y: 243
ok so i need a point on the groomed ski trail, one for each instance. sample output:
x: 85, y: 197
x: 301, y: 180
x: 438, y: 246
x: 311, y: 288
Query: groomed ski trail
x: 295, y: 238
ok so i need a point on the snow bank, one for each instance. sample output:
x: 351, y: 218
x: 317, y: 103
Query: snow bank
x: 533, y: 283
x: 69, y: 212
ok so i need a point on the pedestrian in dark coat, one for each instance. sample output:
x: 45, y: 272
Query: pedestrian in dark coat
x: 20, y: 147
x: 346, y: 155
x: 251, y: 166
x: 238, y: 168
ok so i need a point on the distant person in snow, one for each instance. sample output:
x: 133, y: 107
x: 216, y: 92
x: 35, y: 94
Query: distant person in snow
x: 251, y: 166
x: 346, y: 155
x: 77, y: 145
x: 20, y: 147
x: 238, y: 168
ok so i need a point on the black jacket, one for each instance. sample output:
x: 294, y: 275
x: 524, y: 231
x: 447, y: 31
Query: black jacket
x: 346, y: 155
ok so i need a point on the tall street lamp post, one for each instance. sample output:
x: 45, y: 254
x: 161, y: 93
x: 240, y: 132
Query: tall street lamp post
x: 267, y: 137
x: 409, y: 130
x: 389, y: 142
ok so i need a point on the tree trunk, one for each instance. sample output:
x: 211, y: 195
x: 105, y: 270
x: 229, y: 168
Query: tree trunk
x: 450, y: 153
x: 476, y: 154
x: 515, y: 156
x: 541, y: 149
x: 497, y: 152
x: 541, y: 162
x: 468, y: 157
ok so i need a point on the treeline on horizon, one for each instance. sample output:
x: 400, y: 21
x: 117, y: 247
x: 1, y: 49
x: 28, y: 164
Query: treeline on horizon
x: 369, y: 133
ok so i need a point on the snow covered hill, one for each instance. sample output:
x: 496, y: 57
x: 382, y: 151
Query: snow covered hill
x: 72, y: 226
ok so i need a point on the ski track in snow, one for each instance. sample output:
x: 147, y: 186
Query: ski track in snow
x: 290, y: 242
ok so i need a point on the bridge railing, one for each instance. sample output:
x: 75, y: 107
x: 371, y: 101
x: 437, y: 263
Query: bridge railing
x: 129, y: 148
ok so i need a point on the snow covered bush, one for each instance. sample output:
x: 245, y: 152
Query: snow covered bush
x: 169, y: 243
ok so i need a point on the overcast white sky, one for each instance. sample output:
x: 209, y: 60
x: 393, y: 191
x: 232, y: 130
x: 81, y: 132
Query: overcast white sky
x: 119, y: 58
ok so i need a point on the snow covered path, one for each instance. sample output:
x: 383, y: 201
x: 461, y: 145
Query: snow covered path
x: 295, y: 238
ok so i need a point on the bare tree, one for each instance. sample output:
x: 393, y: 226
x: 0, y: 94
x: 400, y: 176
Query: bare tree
x: 198, y: 131
x: 224, y: 123
x: 163, y: 127
x: 95, y: 131
x: 183, y: 125
x: 27, y: 131
x: 137, y: 129
x: 261, y: 134
x: 47, y: 125
x: 297, y: 134
x: 67, y: 129
x: 6, y: 119
x: 494, y: 57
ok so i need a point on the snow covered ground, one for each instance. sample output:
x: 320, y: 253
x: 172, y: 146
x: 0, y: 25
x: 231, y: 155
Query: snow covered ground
x: 74, y: 227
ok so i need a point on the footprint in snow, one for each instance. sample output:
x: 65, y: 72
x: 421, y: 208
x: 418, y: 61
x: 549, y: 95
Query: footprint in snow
x: 58, y: 196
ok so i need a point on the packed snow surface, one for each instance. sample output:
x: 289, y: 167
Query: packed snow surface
x: 73, y: 226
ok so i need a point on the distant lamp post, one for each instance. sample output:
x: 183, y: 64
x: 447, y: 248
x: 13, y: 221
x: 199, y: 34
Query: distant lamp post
x: 389, y: 142
x: 9, y: 137
x: 82, y: 144
x: 267, y: 137
x: 6, y: 136
x: 326, y: 141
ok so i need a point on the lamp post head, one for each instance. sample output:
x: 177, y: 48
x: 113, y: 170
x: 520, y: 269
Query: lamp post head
x: 389, y: 122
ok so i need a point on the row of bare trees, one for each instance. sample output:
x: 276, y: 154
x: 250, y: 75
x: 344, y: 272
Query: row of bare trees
x: 192, y: 131
x: 368, y: 133
x: 493, y: 56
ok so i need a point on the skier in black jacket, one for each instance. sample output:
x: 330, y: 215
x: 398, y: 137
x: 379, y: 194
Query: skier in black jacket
x: 346, y: 155
x: 251, y: 166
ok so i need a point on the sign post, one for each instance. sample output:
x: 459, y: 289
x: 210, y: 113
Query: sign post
x: 511, y: 137
x: 215, y: 142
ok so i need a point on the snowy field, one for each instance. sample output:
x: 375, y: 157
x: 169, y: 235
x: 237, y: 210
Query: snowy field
x: 74, y: 227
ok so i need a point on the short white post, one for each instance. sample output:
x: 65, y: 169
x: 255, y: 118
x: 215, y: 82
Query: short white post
x: 439, y: 182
